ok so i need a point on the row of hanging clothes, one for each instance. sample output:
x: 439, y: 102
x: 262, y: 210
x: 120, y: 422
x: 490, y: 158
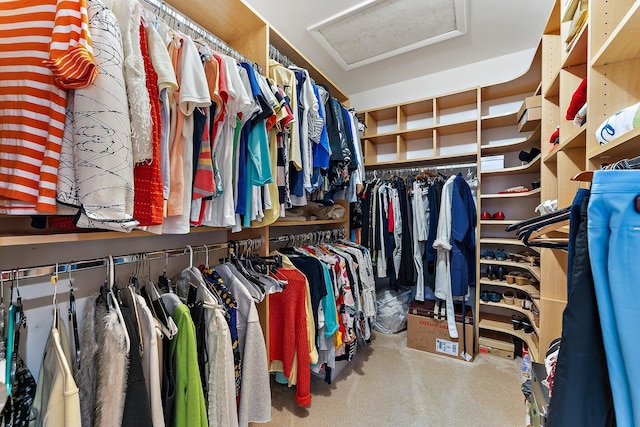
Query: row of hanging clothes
x: 326, y: 310
x: 186, y: 350
x: 419, y: 225
x: 591, y: 375
x: 183, y: 134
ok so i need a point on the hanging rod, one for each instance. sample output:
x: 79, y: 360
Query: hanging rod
x: 409, y: 170
x: 49, y: 270
x: 184, y: 23
x: 303, y: 237
x: 276, y: 55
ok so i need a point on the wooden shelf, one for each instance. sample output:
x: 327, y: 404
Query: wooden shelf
x: 531, y: 290
x: 500, y: 120
x: 457, y: 127
x: 511, y: 195
x: 575, y: 140
x: 516, y: 169
x: 383, y: 138
x: 578, y: 53
x: 626, y: 146
x: 553, y: 91
x: 503, y: 324
x: 424, y: 161
x: 533, y: 269
x: 499, y: 221
x: 307, y: 223
x: 84, y: 236
x: 621, y: 44
x: 499, y: 240
x: 501, y: 148
x: 514, y: 307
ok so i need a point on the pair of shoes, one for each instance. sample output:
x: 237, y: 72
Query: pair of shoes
x: 532, y: 258
x: 521, y: 322
x: 490, y: 296
x: 527, y: 157
x: 501, y: 255
x: 497, y: 215
x: 496, y: 273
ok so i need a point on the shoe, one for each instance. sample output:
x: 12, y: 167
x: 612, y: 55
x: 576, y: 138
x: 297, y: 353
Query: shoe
x: 501, y: 272
x: 518, y: 189
x: 492, y: 272
x: 485, y: 215
x: 484, y: 296
x: 498, y: 215
x: 488, y: 254
x: 500, y: 255
x: 495, y: 296
x: 527, y: 157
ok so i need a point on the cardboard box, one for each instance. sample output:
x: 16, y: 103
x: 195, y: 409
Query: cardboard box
x: 432, y: 335
x: 529, y: 102
x: 530, y: 119
x: 491, y: 163
x: 497, y: 343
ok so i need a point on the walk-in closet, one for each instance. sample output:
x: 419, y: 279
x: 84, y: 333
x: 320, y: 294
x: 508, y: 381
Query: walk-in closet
x: 253, y: 212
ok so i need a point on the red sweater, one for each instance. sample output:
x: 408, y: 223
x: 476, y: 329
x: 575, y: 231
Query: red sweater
x: 288, y: 331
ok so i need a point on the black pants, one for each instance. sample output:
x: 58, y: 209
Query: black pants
x: 581, y: 390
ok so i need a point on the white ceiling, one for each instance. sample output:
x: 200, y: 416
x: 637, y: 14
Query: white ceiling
x: 494, y: 28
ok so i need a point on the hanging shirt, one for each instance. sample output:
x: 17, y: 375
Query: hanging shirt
x: 59, y: 57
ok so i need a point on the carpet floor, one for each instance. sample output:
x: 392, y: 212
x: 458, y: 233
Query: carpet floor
x: 388, y: 384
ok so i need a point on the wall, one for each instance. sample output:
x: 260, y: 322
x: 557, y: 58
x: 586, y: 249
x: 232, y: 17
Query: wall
x: 491, y: 71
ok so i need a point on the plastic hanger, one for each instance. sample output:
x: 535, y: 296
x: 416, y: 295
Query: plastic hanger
x: 115, y: 305
x: 54, y: 302
x: 74, y: 319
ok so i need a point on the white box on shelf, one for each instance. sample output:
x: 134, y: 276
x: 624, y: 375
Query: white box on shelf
x: 491, y: 163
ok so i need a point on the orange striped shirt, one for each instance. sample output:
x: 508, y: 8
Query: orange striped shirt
x: 45, y: 49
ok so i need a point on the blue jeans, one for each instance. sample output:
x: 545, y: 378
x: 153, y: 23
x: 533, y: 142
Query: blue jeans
x: 614, y: 248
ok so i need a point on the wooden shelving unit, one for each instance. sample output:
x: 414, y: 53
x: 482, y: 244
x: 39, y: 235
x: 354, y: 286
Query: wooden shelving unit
x: 503, y: 324
x: 459, y: 128
x: 531, y: 290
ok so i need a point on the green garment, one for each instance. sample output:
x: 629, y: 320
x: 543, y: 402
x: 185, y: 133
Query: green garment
x: 190, y: 408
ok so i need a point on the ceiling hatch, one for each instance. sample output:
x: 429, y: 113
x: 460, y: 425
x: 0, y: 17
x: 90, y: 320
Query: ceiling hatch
x: 379, y: 29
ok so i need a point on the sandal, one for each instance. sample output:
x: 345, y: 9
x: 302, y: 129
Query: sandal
x: 532, y: 258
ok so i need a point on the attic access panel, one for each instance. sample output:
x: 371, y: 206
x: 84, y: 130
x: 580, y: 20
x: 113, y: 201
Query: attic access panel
x: 379, y: 29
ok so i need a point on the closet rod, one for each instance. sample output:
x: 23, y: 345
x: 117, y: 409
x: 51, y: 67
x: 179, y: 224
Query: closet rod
x: 308, y: 236
x: 48, y: 270
x: 276, y: 55
x: 416, y: 169
x: 181, y: 20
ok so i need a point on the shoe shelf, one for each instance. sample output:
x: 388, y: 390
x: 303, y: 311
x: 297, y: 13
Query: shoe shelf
x: 517, y: 308
x: 500, y: 222
x: 530, y: 193
x: 499, y: 240
x: 529, y: 167
x: 531, y: 290
x: 487, y: 149
x: 493, y: 322
x: 533, y: 269
x: 621, y: 45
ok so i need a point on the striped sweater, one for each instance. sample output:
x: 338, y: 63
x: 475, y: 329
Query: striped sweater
x: 45, y: 49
